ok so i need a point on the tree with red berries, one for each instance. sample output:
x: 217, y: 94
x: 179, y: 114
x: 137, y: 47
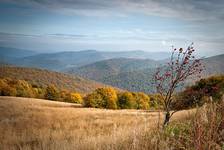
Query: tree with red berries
x: 181, y: 66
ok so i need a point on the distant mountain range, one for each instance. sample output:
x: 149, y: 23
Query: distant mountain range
x: 9, y: 55
x: 61, y: 61
x: 126, y: 73
x: 131, y: 70
x: 136, y: 74
x: 102, y: 69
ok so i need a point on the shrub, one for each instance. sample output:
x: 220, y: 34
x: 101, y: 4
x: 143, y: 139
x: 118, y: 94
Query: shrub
x: 74, y: 98
x: 39, y: 92
x: 195, y: 95
x: 102, y: 98
x: 212, y: 86
x: 109, y: 97
x: 64, y: 95
x: 93, y: 100
x: 23, y: 89
x: 51, y: 92
x: 126, y: 100
x: 156, y: 101
x: 142, y: 100
x: 6, y: 89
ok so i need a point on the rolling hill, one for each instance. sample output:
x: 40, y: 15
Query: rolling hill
x: 138, y: 77
x: 111, y: 67
x: 61, y: 61
x: 15, y: 53
x: 44, y: 77
x: 10, y: 55
x: 214, y: 65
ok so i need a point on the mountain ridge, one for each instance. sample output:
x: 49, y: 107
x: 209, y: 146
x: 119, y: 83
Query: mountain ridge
x: 60, y: 61
x: 43, y: 78
x: 141, y: 79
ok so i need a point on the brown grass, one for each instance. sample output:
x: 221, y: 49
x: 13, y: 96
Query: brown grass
x: 27, y: 123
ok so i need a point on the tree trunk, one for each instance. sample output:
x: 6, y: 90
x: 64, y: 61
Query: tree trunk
x: 167, y: 119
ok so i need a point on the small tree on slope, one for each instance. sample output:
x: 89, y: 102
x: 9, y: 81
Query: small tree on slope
x: 181, y: 65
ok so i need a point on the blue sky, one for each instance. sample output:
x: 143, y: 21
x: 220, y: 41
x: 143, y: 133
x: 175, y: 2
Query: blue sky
x: 118, y: 25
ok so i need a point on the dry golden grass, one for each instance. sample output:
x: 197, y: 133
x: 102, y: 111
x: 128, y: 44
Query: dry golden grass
x: 27, y: 123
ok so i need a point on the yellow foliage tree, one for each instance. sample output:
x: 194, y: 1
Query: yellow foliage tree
x: 51, y: 92
x: 142, y: 100
x: 126, y: 100
x: 74, y: 98
x: 156, y: 101
x: 93, y: 100
x: 102, y: 98
x: 23, y: 89
x: 109, y: 97
x: 6, y: 89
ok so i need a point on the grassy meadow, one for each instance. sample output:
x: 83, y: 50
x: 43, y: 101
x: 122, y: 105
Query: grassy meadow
x: 27, y: 123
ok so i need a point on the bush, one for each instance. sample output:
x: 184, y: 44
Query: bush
x: 51, y: 93
x: 102, y: 98
x: 195, y: 95
x: 109, y: 97
x: 24, y: 89
x: 74, y: 98
x: 6, y: 89
x: 21, y: 88
x: 93, y: 100
x: 142, y: 100
x: 39, y: 92
x: 156, y: 101
x: 126, y: 101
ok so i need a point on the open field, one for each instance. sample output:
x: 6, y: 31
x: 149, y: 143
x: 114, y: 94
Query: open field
x: 27, y: 123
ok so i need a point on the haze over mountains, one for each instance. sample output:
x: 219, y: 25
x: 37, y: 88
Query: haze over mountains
x: 101, y: 69
x: 60, y: 61
x: 131, y: 70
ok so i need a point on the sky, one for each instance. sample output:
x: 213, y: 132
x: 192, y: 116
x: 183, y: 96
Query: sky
x: 112, y: 25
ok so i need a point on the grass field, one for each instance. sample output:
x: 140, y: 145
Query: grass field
x: 27, y: 123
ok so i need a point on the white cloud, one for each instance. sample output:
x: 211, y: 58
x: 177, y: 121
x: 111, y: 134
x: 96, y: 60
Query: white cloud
x: 195, y: 10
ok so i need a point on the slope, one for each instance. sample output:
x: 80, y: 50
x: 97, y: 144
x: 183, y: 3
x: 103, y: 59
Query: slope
x: 44, y: 77
x: 141, y: 78
x: 10, y: 55
x: 99, y: 70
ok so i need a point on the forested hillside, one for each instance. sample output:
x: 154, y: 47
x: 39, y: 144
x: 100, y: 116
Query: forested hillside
x: 214, y: 65
x: 136, y: 74
x: 44, y: 77
x: 103, y: 69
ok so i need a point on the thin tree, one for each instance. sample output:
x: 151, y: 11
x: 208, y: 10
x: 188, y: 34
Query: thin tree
x: 182, y: 64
